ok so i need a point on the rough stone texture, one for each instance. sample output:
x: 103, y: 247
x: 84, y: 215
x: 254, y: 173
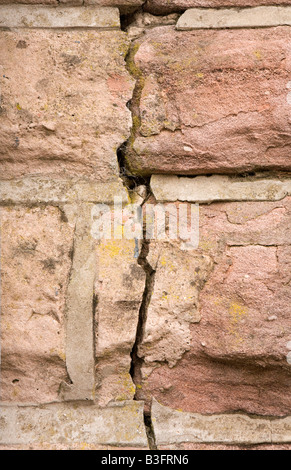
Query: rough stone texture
x: 238, y: 353
x: 179, y: 278
x: 121, y: 283
x: 35, y: 263
x: 43, y: 2
x: 197, y: 18
x: 206, y: 332
x: 38, y: 16
x: 61, y: 424
x: 171, y: 427
x: 204, y: 189
x: 193, y: 446
x: 39, y: 190
x: 82, y: 446
x: 141, y: 21
x: 164, y: 7
x: 63, y: 103
x: 80, y: 360
x: 211, y: 101
x: 125, y: 6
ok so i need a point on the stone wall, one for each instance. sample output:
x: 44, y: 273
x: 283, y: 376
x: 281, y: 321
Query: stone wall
x: 135, y: 342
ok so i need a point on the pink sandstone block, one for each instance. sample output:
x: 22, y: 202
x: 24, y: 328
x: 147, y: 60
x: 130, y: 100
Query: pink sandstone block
x: 212, y: 101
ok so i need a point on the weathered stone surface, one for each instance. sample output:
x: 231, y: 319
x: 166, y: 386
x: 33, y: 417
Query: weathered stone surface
x: 125, y: 6
x: 81, y: 446
x: 195, y: 446
x: 63, y: 424
x: 63, y: 103
x: 179, y: 278
x: 204, y: 189
x: 38, y: 190
x: 237, y: 359
x: 197, y: 18
x: 166, y: 6
x: 211, y: 101
x: 43, y: 2
x: 80, y: 359
x: 174, y: 427
x: 121, y: 283
x: 281, y: 430
x: 38, y: 16
x: 35, y: 263
x: 142, y: 20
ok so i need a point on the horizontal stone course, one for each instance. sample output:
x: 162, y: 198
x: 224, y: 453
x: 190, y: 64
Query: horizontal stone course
x: 169, y: 6
x: 198, y: 18
x: 57, y: 423
x: 173, y: 427
x: 203, y: 189
x: 37, y: 16
x: 45, y: 190
x: 125, y: 6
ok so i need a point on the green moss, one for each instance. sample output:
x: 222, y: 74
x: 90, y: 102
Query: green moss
x: 137, y: 74
x: 131, y: 65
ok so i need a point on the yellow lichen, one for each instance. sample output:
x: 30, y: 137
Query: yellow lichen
x: 237, y: 314
x: 258, y: 55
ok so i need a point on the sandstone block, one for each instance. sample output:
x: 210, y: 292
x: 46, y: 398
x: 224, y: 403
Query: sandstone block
x: 43, y: 2
x: 79, y: 312
x: 35, y: 262
x: 39, y: 190
x: 125, y: 6
x: 237, y: 357
x: 211, y: 101
x: 174, y: 304
x: 120, y: 287
x: 204, y: 189
x: 164, y: 7
x: 77, y: 425
x: 32, y: 16
x: 174, y: 427
x: 197, y: 18
x: 63, y: 103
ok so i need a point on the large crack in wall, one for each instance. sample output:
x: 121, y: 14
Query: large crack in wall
x: 135, y: 23
x: 136, y: 360
x: 131, y: 182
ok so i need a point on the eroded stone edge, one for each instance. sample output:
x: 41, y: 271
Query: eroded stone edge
x: 45, y: 190
x: 174, y: 427
x: 204, y: 190
x: 80, y: 354
x: 39, y: 16
x: 252, y: 17
x: 64, y: 423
